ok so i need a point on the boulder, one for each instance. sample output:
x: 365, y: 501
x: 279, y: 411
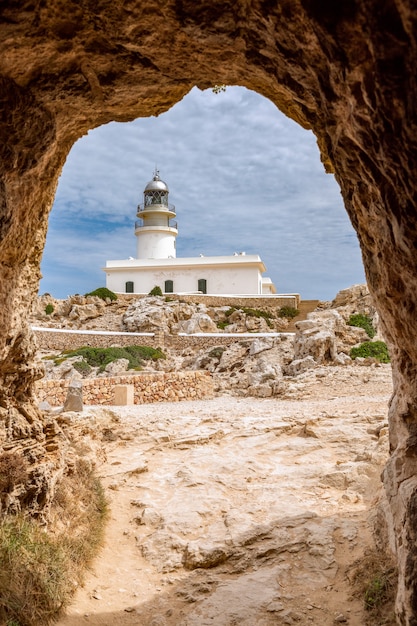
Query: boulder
x: 299, y: 366
x: 233, y: 357
x: 198, y: 323
x: 151, y: 314
x: 74, y: 399
x: 117, y: 367
x: 356, y: 297
x: 64, y: 370
x: 260, y: 345
x: 318, y: 342
x: 342, y: 359
x: 85, y: 312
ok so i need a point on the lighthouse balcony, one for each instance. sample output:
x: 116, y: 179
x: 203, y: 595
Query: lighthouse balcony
x: 157, y: 222
x: 148, y: 208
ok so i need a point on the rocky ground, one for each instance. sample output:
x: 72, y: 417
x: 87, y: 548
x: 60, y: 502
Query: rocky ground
x: 241, y: 511
x: 250, y: 367
x: 249, y: 509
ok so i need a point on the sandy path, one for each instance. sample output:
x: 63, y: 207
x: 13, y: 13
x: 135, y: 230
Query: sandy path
x: 237, y: 511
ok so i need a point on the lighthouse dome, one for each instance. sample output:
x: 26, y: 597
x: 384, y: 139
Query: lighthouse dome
x: 156, y: 184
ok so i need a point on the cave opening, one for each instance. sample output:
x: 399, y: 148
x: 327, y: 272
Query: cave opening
x: 243, y: 177
x: 349, y: 75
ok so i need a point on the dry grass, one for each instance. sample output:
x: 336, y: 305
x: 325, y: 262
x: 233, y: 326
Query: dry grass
x: 40, y: 569
x: 13, y: 470
x: 374, y: 579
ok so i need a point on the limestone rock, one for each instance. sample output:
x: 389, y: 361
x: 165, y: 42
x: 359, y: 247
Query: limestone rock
x: 342, y: 359
x: 63, y: 371
x: 198, y: 323
x: 205, y: 556
x: 74, y: 399
x: 260, y: 345
x: 315, y: 341
x: 84, y: 312
x: 356, y: 299
x: 299, y: 366
x: 233, y: 357
x: 117, y: 367
x: 149, y: 314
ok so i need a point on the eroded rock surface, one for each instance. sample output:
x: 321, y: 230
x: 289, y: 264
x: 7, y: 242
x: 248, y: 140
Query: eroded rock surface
x: 234, y: 511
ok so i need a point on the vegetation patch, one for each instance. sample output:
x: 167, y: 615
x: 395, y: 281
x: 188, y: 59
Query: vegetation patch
x: 222, y: 325
x: 82, y: 367
x: 13, y: 471
x: 49, y: 309
x: 252, y: 313
x: 39, y: 569
x: 216, y: 352
x: 375, y: 581
x: 362, y: 321
x: 103, y: 293
x: 375, y: 349
x: 100, y: 357
x: 288, y: 311
x: 155, y: 291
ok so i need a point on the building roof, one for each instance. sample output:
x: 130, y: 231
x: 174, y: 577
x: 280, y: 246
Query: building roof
x: 156, y: 184
x: 202, y: 261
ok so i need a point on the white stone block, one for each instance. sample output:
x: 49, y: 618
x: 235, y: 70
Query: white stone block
x: 124, y: 395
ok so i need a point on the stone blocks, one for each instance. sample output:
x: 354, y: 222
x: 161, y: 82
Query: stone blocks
x: 124, y: 395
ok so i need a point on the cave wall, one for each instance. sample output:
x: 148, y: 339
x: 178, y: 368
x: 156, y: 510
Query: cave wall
x: 344, y: 69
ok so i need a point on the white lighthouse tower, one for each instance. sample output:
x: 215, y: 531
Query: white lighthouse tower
x: 155, y: 229
x: 157, y: 265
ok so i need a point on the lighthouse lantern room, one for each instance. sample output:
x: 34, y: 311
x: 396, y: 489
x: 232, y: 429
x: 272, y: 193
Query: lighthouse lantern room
x: 156, y: 231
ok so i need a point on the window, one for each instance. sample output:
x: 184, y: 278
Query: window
x: 202, y: 285
x: 129, y: 286
x: 169, y: 286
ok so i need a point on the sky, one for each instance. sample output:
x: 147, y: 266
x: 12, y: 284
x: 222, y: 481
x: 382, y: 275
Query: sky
x: 243, y: 177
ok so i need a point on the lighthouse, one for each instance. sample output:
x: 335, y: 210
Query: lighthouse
x: 157, y: 264
x: 155, y: 229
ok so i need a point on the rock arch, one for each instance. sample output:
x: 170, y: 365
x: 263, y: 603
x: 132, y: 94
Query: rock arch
x: 346, y: 70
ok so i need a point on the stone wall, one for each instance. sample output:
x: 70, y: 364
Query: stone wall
x: 47, y: 340
x: 56, y: 340
x: 148, y: 387
x: 255, y: 302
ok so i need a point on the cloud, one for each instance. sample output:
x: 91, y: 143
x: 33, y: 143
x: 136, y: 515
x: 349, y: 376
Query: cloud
x: 242, y: 177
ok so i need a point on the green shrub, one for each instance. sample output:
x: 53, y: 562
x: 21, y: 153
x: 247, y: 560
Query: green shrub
x: 288, y: 311
x: 251, y: 313
x: 362, y: 321
x: 374, y: 581
x: 103, y: 293
x: 222, y: 325
x: 82, y: 367
x: 376, y: 349
x: 156, y: 291
x: 217, y: 352
x: 100, y: 357
x: 49, y: 308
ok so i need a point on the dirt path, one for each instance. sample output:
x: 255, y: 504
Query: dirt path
x: 237, y: 511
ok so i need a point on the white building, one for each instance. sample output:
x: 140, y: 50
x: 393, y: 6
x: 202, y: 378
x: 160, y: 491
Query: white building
x: 156, y: 263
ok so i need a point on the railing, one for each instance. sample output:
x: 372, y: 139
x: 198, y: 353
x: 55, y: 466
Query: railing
x: 140, y: 223
x: 158, y: 206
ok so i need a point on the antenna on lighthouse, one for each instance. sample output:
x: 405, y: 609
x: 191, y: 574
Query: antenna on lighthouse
x: 156, y: 172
